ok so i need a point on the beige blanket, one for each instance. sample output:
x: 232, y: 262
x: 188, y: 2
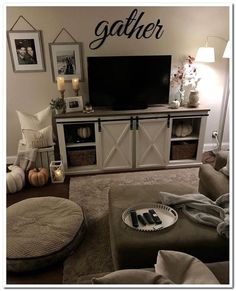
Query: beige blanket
x: 202, y: 209
x: 26, y: 159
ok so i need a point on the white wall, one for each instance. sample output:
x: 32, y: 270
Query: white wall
x: 185, y: 29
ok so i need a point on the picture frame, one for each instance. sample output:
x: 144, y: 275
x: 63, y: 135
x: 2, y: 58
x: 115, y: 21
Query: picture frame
x: 74, y: 104
x: 66, y: 60
x: 26, y: 50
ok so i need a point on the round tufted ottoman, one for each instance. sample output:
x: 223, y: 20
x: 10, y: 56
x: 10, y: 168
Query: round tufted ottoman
x: 42, y: 231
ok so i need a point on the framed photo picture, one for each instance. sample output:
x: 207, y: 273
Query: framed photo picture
x: 74, y: 104
x: 26, y: 50
x: 66, y: 60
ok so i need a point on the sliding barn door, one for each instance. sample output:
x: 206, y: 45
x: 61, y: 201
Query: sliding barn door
x: 116, y: 145
x: 151, y: 142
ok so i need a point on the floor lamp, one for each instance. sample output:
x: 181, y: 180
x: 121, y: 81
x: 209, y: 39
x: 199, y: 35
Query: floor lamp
x: 207, y: 55
x: 225, y: 99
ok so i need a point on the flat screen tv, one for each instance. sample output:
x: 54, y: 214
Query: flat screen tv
x: 129, y: 82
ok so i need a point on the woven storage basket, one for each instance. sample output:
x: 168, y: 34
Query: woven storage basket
x: 184, y: 151
x: 82, y: 157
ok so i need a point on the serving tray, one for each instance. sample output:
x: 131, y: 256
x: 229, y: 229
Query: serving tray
x: 167, y: 215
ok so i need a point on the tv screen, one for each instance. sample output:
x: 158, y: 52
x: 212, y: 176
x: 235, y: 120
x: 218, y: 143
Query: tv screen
x: 129, y: 82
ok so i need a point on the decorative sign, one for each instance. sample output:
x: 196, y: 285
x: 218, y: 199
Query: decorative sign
x: 131, y: 27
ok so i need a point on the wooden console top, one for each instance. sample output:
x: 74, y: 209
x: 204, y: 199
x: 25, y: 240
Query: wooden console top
x: 150, y: 110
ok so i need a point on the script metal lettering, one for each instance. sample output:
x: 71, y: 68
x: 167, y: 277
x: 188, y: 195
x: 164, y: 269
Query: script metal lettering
x: 130, y: 27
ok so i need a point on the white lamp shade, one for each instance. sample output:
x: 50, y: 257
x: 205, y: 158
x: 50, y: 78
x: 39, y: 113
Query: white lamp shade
x: 205, y: 55
x: 227, y: 51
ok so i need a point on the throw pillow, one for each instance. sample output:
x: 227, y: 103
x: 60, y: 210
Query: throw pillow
x: 131, y: 276
x: 35, y: 121
x: 190, y: 270
x: 38, y: 138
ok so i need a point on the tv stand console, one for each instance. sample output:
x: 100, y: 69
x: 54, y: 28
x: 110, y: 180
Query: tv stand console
x: 152, y: 138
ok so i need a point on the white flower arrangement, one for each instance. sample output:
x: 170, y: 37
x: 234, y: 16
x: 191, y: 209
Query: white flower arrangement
x: 185, y: 77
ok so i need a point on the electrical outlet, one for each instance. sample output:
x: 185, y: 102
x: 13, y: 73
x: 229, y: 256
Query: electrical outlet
x: 214, y: 133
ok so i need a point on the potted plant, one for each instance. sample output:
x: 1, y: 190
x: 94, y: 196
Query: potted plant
x: 58, y: 104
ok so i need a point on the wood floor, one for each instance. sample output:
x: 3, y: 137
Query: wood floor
x: 53, y: 274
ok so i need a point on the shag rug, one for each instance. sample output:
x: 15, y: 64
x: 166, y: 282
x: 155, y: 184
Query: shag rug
x: 91, y: 193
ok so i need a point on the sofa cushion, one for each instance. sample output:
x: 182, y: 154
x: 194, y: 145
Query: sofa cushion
x: 130, y: 276
x: 220, y: 270
x: 212, y: 183
x: 221, y: 159
x: 225, y: 169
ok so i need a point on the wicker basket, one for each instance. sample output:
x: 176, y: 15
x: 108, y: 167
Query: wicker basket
x: 82, y: 157
x: 184, y: 150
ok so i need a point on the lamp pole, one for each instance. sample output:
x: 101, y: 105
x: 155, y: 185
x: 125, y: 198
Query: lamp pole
x: 225, y: 102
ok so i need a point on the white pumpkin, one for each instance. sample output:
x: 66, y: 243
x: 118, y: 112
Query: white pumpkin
x: 183, y: 129
x: 84, y: 132
x: 175, y: 104
x: 15, y: 179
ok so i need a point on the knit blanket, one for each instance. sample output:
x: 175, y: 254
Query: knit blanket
x: 202, y: 209
x: 26, y: 159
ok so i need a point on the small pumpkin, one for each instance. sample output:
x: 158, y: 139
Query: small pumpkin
x: 15, y: 179
x: 175, y: 104
x: 38, y: 176
x: 183, y: 129
x: 84, y: 132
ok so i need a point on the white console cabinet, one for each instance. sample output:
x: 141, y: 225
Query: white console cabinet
x: 109, y: 141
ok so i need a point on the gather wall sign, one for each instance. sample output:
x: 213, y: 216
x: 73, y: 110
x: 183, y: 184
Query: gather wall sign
x: 130, y: 27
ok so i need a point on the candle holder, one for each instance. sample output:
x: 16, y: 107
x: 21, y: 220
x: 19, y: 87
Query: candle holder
x: 62, y: 92
x: 57, y: 172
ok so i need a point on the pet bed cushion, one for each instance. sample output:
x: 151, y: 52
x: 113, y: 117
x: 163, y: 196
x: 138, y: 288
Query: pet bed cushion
x: 41, y: 231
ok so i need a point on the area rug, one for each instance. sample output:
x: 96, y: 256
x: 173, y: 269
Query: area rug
x: 91, y: 193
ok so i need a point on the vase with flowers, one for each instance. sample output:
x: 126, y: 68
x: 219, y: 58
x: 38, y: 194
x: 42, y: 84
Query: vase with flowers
x: 186, y: 79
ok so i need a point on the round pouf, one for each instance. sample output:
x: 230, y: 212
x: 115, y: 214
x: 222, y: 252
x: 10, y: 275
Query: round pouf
x: 42, y: 231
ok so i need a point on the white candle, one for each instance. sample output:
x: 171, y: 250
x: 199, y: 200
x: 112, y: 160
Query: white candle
x: 60, y: 83
x: 58, y: 175
x: 75, y: 83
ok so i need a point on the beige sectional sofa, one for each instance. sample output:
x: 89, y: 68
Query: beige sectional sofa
x: 214, y: 181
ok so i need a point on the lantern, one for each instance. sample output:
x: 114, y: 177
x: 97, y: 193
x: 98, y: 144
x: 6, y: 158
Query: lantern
x: 57, y: 172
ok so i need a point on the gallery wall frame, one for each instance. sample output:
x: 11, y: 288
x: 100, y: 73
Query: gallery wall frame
x: 66, y: 60
x: 74, y: 104
x: 26, y: 50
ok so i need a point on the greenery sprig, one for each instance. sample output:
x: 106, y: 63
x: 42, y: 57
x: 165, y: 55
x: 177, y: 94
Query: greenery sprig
x: 58, y: 103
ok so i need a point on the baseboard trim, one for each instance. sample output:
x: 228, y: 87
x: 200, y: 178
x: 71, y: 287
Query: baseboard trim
x: 10, y: 160
x: 213, y: 146
x: 225, y: 146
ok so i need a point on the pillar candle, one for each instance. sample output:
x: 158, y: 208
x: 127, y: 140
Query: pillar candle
x: 75, y: 83
x: 60, y: 83
x: 58, y: 175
